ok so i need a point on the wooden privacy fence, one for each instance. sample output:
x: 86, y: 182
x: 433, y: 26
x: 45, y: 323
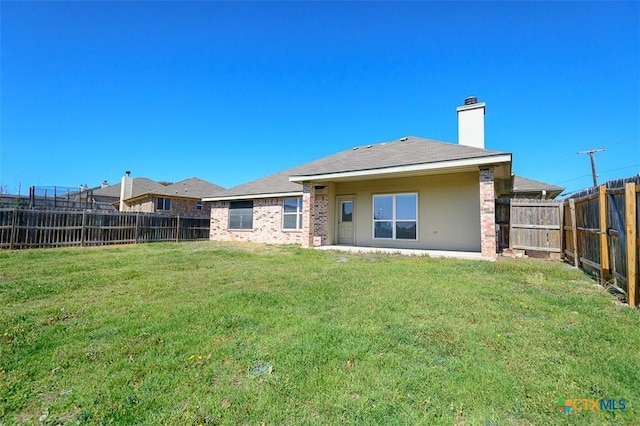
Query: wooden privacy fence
x: 529, y: 224
x: 597, y: 230
x: 601, y: 234
x: 21, y: 228
x: 536, y: 225
x: 503, y: 210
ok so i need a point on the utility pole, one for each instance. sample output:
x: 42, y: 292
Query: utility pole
x: 591, y: 152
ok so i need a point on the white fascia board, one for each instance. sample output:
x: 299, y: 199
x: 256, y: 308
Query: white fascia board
x: 471, y: 106
x: 254, y: 196
x: 482, y: 161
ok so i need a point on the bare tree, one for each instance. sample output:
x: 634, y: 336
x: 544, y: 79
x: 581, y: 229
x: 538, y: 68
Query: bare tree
x: 4, y: 189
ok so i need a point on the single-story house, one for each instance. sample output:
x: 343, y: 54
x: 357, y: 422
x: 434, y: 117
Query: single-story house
x: 145, y: 195
x: 523, y: 187
x: 411, y: 193
x: 111, y: 193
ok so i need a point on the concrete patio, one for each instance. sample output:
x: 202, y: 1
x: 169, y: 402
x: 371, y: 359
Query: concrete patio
x: 408, y: 252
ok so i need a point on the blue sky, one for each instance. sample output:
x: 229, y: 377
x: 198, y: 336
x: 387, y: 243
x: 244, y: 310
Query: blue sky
x: 233, y: 91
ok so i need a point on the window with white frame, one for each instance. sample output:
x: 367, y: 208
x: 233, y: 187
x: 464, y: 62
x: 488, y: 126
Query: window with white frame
x: 395, y: 216
x: 241, y: 214
x: 292, y: 213
x: 163, y: 204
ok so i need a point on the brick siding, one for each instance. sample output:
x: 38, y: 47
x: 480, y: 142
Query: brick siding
x: 487, y: 214
x: 267, y: 223
x: 178, y: 207
x: 321, y: 220
x: 308, y: 218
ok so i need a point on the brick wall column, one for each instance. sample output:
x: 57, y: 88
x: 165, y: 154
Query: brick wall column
x: 321, y: 216
x: 487, y: 214
x: 308, y: 217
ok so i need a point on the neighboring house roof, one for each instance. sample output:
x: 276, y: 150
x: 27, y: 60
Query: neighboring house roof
x: 189, y: 188
x: 141, y: 186
x: 406, y: 152
x: 194, y: 188
x: 526, y: 185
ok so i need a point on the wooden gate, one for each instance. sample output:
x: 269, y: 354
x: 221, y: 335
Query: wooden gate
x: 536, y: 225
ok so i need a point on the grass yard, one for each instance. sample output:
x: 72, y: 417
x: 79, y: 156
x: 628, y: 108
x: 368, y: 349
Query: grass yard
x: 210, y: 333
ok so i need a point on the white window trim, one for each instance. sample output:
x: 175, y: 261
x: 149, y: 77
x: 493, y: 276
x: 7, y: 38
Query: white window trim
x: 393, y: 220
x: 297, y: 213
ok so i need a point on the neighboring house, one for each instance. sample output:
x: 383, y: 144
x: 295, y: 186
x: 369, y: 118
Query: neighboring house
x: 148, y: 196
x: 407, y: 193
x: 111, y: 193
x: 532, y: 189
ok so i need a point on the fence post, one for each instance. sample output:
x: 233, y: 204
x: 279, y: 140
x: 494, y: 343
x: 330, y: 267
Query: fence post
x: 511, y: 232
x: 83, y: 233
x: 604, y: 238
x: 574, y: 232
x: 630, y: 208
x: 178, y: 229
x: 137, y: 227
x: 14, y: 228
x: 561, y: 218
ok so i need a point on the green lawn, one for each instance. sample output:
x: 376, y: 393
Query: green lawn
x: 207, y: 333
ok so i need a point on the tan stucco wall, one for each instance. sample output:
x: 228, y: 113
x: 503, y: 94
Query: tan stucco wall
x: 448, y: 210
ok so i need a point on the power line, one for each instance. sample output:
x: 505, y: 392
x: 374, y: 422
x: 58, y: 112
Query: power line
x: 602, y: 172
x: 570, y: 191
x: 560, y: 157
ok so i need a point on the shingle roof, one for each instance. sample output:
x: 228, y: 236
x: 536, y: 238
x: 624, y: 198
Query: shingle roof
x: 400, y: 152
x: 190, y: 188
x: 523, y: 184
x: 141, y: 186
x: 273, y: 184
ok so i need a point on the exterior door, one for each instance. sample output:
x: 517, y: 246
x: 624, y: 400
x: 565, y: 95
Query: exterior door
x: 345, y: 221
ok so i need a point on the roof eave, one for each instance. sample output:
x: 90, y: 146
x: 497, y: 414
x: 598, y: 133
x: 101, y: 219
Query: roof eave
x: 554, y: 192
x: 178, y: 197
x: 412, y: 168
x: 533, y: 191
x: 253, y: 196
